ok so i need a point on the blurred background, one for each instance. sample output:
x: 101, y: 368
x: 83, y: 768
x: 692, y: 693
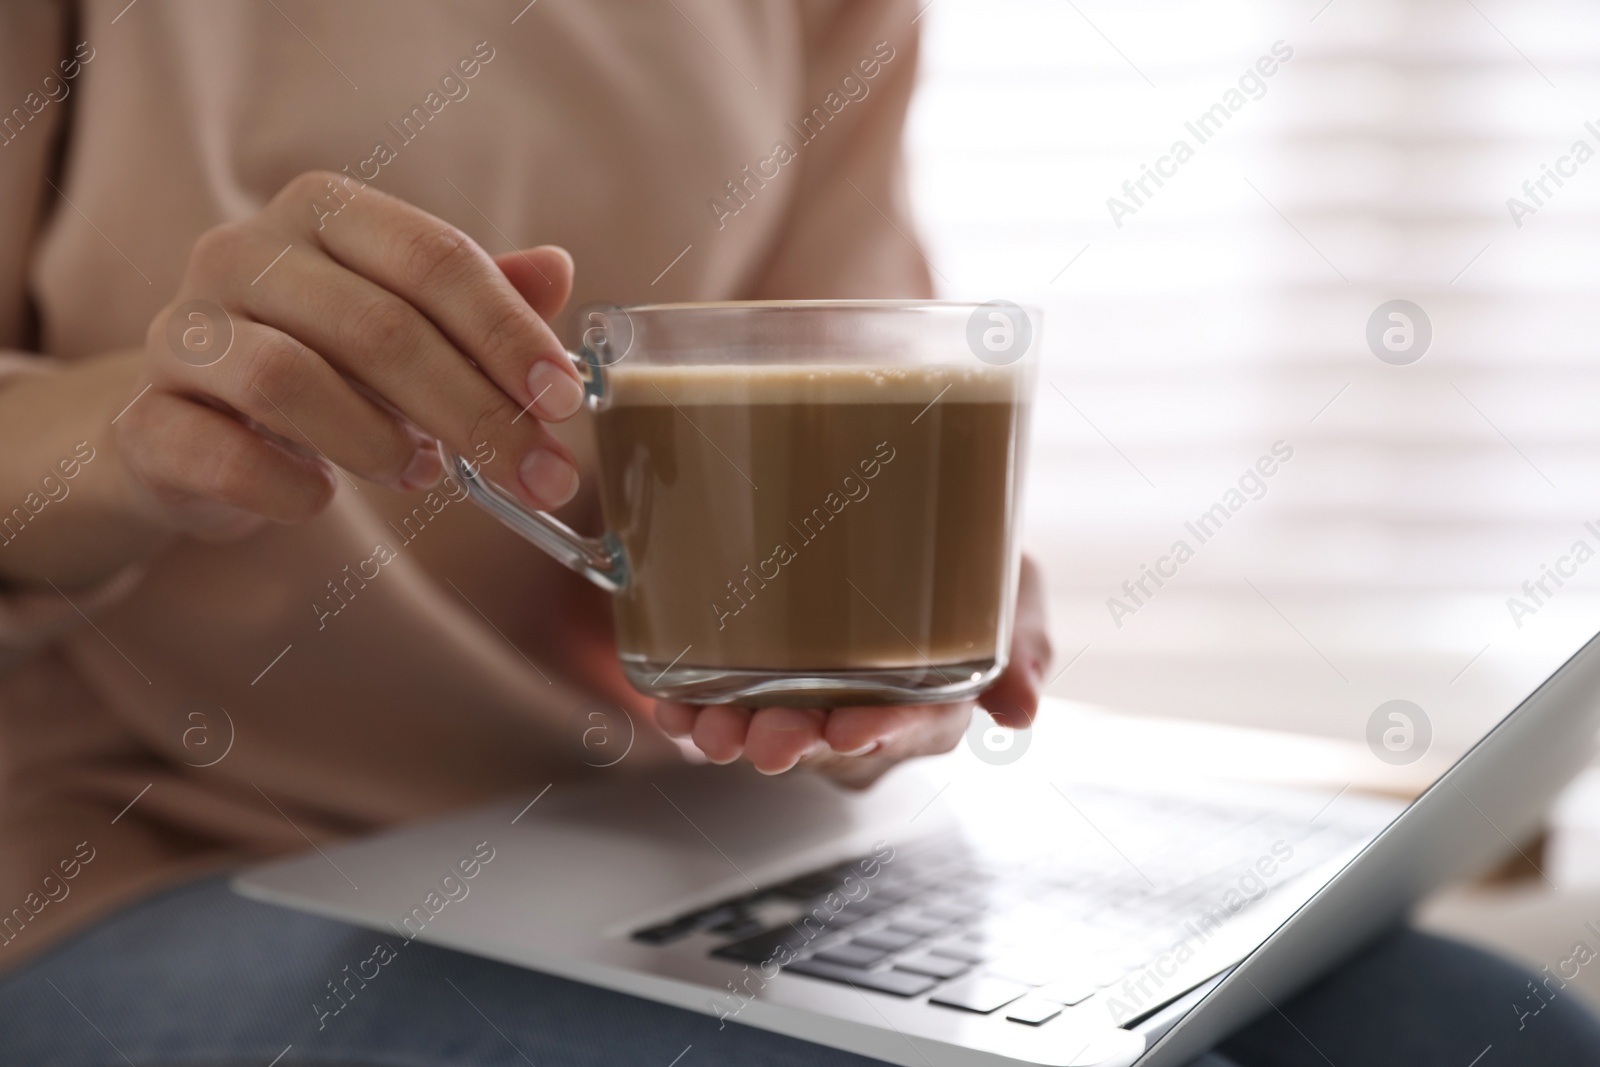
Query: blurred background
x: 1229, y: 311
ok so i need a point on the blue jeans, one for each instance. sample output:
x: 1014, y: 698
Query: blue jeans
x: 198, y: 976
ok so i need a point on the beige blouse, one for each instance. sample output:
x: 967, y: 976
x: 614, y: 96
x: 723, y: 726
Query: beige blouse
x: 192, y: 713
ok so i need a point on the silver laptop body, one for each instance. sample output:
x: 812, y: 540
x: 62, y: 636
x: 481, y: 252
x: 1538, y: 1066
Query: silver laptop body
x: 960, y: 912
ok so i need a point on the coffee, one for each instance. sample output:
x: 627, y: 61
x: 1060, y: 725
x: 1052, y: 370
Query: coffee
x: 815, y: 518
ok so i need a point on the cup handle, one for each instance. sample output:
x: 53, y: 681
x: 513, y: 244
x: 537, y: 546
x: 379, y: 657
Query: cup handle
x: 599, y: 559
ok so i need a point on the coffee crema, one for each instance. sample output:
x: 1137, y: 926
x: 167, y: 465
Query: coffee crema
x: 813, y: 518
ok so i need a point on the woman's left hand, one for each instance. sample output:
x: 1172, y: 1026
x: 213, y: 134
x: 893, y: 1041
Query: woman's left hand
x: 856, y: 745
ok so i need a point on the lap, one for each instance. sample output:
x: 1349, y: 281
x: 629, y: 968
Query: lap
x: 1412, y: 1000
x: 199, y: 976
x: 202, y: 976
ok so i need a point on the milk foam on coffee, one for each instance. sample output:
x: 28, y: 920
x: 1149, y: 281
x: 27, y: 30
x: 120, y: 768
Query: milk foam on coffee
x: 813, y: 518
x: 819, y: 384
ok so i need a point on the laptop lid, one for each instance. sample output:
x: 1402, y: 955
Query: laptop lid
x: 1480, y: 809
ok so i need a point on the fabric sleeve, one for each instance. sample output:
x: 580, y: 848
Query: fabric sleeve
x: 31, y: 618
x: 849, y: 233
x: 34, y: 98
x: 35, y: 95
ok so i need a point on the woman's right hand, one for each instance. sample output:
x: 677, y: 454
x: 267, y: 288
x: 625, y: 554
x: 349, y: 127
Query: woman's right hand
x: 363, y: 330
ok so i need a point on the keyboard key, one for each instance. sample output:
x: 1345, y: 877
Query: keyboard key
x: 852, y: 955
x: 1068, y: 991
x: 739, y: 926
x: 888, y: 940
x: 810, y: 886
x: 920, y: 925
x: 761, y: 947
x: 966, y: 951
x: 715, y: 918
x: 899, y: 983
x: 937, y: 966
x: 666, y: 932
x: 1106, y: 972
x: 1033, y: 1010
x: 1029, y: 970
x: 893, y: 893
x: 982, y: 995
x: 871, y: 905
x: 899, y: 881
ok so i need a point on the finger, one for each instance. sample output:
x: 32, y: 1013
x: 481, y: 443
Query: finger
x: 675, y: 720
x: 1013, y: 699
x: 1030, y: 637
x: 427, y: 466
x: 933, y: 729
x: 190, y: 450
x: 941, y: 731
x: 282, y: 384
x: 898, y: 731
x: 936, y: 728
x: 850, y: 772
x: 442, y: 272
x: 719, y: 732
x: 542, y: 275
x: 858, y: 730
x: 778, y: 737
x: 389, y: 347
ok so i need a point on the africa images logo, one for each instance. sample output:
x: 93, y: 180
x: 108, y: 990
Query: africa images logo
x: 1399, y: 732
x: 994, y: 744
x: 1399, y: 332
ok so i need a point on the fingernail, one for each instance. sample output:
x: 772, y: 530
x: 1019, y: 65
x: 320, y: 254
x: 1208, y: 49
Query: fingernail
x: 564, y: 255
x: 865, y: 750
x: 551, y: 479
x: 423, y: 470
x: 556, y: 394
x: 785, y: 769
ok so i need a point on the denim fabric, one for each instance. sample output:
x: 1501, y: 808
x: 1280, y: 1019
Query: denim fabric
x: 199, y: 976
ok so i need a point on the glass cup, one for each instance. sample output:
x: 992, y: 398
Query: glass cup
x: 808, y: 504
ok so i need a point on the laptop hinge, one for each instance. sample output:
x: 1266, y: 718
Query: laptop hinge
x: 1154, y: 1024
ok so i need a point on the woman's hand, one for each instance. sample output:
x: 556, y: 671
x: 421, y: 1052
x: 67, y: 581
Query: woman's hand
x: 363, y: 330
x: 856, y: 745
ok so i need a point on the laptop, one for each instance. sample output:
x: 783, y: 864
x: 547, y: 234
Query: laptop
x: 1039, y: 907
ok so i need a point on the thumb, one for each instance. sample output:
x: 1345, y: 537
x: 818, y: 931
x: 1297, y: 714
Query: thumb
x: 542, y: 275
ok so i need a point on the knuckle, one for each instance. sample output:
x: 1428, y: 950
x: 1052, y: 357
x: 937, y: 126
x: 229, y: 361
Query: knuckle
x: 309, y: 183
x: 224, y: 469
x: 155, y: 335
x: 217, y: 250
x: 274, y: 368
x: 324, y: 192
x: 505, y: 338
x: 315, y: 492
x: 490, y: 424
x: 236, y: 471
x: 132, y: 434
x: 388, y: 452
x: 386, y: 326
x: 432, y: 252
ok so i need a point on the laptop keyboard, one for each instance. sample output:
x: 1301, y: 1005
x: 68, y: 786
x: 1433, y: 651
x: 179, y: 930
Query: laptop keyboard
x: 968, y: 932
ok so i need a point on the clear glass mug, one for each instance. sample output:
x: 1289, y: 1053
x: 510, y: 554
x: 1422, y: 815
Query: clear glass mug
x: 810, y: 503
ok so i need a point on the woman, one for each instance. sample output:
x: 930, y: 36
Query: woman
x: 258, y: 259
